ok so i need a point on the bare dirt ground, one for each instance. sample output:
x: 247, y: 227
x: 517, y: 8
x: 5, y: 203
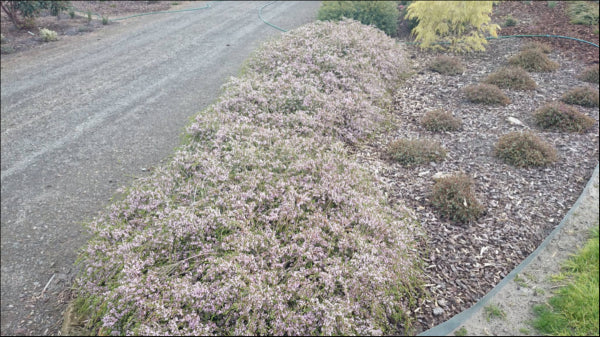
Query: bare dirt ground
x: 89, y: 113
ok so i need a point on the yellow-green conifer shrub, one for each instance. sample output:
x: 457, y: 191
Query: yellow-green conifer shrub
x: 462, y: 24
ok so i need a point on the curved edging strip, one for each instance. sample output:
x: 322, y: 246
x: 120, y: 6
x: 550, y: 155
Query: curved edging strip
x: 450, y: 325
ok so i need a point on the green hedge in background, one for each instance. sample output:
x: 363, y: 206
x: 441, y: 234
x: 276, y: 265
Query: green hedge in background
x: 381, y: 14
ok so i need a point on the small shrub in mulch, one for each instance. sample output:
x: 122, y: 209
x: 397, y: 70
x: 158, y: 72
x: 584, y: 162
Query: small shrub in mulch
x: 583, y: 96
x: 48, y: 35
x: 590, y: 74
x: 510, y: 21
x: 440, y: 120
x: 524, y: 149
x: 515, y: 78
x: 544, y: 48
x: 410, y: 152
x: 559, y: 116
x: 486, y: 93
x: 454, y: 199
x: 447, y: 65
x: 583, y: 13
x: 533, y: 60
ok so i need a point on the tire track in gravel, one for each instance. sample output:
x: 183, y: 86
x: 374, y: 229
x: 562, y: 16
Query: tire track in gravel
x: 82, y: 117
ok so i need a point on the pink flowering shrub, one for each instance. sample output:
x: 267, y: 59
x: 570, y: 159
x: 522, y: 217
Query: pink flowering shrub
x: 264, y: 223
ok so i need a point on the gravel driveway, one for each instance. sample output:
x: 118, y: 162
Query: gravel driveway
x: 84, y: 116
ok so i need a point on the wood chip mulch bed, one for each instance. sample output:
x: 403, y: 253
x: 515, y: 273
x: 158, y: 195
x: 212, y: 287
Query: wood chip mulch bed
x: 465, y: 261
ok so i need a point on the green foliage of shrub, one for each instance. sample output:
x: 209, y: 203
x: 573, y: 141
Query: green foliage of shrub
x: 486, y: 94
x: 440, y: 120
x: 584, y: 96
x: 543, y: 47
x: 590, y: 74
x: 533, y: 60
x: 447, y: 65
x: 511, y: 78
x: 454, y: 199
x: 559, y: 116
x: 31, y: 9
x: 583, y: 13
x: 48, y: 35
x: 510, y: 21
x: 105, y: 20
x: 6, y: 49
x: 410, y: 152
x: 72, y: 13
x: 524, y: 149
x: 381, y: 14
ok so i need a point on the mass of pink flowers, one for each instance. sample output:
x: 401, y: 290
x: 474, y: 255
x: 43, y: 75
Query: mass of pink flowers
x: 263, y: 223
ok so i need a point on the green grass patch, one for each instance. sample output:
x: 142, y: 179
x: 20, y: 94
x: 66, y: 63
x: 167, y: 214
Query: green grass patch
x: 573, y: 310
x: 493, y: 311
x: 461, y: 332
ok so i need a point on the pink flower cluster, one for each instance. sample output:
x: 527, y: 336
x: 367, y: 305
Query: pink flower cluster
x: 264, y: 223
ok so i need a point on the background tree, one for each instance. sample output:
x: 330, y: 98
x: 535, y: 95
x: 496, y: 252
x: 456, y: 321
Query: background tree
x: 31, y: 9
x: 457, y: 25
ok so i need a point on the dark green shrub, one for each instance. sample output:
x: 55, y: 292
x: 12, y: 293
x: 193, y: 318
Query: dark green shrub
x: 510, y: 21
x: 381, y: 14
x: 533, y: 60
x: 559, y: 116
x: 583, y: 96
x: 453, y: 198
x: 416, y: 151
x: 447, y: 65
x: 590, y: 74
x: 440, y: 120
x: 486, y: 93
x: 511, y: 78
x: 402, y: 10
x: 524, y: 149
x: 544, y: 48
x: 583, y: 13
x: 5, y: 49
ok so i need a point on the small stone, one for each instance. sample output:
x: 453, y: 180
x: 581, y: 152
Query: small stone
x: 441, y: 175
x: 423, y: 173
x: 437, y: 311
x: 144, y: 169
x: 442, y: 302
x: 515, y: 121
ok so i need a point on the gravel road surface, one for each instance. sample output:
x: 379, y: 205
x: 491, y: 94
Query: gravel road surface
x: 84, y: 116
